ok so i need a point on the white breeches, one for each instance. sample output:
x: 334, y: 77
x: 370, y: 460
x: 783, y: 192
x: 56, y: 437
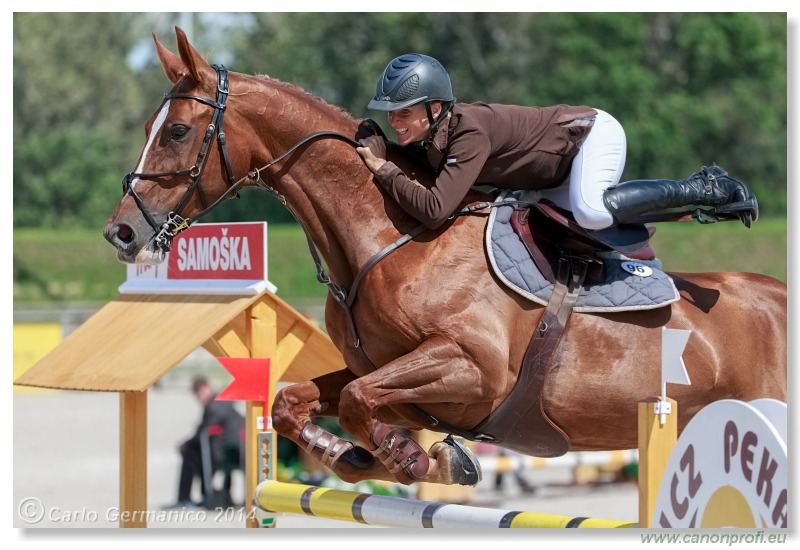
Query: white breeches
x: 597, y: 166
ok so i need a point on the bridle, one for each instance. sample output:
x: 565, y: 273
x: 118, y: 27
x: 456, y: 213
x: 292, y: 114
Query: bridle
x: 174, y: 224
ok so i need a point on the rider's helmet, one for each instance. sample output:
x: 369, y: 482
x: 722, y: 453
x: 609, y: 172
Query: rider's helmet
x: 410, y: 79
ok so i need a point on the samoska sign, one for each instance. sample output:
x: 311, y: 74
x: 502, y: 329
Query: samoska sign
x: 211, y: 258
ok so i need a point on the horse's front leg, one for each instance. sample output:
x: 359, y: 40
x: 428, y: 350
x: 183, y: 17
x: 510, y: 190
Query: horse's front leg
x: 438, y: 372
x: 292, y: 412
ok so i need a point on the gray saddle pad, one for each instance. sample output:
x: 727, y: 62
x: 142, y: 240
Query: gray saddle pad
x: 629, y: 285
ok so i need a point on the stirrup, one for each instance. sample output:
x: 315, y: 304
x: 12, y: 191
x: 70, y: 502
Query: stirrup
x: 746, y: 211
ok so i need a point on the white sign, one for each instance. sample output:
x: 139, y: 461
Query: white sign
x: 728, y: 469
x: 208, y: 258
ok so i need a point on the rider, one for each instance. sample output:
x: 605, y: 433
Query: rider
x: 574, y: 155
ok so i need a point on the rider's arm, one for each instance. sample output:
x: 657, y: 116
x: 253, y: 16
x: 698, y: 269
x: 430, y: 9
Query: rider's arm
x: 467, y: 152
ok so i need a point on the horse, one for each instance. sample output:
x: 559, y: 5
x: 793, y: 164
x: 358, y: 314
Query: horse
x: 432, y: 340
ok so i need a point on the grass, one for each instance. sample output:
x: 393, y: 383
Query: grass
x: 80, y: 266
x: 73, y: 265
x: 727, y: 246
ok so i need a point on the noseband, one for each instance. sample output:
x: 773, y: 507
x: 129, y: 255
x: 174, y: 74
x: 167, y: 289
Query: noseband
x: 174, y: 223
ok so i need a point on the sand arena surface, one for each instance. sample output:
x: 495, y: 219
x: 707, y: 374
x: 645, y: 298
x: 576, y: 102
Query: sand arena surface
x: 66, y: 468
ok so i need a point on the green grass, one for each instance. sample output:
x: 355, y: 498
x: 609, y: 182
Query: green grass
x: 73, y: 265
x: 290, y: 265
x: 728, y: 246
x: 79, y: 265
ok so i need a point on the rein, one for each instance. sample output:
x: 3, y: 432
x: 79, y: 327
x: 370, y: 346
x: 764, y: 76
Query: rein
x: 175, y: 224
x: 346, y: 298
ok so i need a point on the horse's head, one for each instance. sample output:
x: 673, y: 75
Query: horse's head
x: 184, y: 166
x: 273, y: 129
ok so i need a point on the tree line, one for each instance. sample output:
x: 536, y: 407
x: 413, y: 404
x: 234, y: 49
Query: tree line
x: 689, y: 88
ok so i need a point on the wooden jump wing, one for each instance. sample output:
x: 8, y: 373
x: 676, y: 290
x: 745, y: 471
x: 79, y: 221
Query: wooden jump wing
x: 135, y: 339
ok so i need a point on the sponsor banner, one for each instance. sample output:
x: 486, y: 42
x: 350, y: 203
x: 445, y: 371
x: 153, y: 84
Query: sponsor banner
x: 729, y: 469
x: 208, y: 258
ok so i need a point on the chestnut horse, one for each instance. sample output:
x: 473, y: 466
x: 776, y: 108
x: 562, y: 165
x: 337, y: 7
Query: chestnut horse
x: 447, y: 337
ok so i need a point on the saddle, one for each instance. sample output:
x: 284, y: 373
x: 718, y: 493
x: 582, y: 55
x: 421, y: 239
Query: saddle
x: 549, y: 231
x: 566, y: 254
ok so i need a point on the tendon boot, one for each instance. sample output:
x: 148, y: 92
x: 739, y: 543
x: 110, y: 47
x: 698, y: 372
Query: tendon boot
x: 711, y: 187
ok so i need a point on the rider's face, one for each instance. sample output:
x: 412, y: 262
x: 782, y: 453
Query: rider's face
x: 411, y: 123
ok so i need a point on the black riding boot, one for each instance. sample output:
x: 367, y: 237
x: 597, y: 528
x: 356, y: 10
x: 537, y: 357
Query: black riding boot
x: 711, y: 186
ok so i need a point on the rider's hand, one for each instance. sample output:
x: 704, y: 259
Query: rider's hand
x: 373, y: 152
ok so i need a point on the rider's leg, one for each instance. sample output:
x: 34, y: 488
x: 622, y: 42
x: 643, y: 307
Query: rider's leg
x: 598, y: 200
x: 711, y: 186
x: 597, y: 167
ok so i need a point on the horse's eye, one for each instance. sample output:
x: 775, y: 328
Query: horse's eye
x: 178, y: 131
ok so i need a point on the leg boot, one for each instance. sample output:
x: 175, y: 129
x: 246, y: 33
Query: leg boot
x: 710, y: 187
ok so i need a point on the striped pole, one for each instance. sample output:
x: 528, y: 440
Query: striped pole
x: 385, y: 511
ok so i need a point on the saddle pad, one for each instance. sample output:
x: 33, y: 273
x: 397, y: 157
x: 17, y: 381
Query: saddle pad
x: 629, y: 284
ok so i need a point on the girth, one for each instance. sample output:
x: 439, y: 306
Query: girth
x: 565, y: 254
x: 520, y: 422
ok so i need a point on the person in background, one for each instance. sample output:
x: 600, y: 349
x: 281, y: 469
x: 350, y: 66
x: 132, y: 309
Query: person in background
x: 221, y: 426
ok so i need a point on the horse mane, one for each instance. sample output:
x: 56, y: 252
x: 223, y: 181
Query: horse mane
x: 306, y: 97
x: 338, y: 118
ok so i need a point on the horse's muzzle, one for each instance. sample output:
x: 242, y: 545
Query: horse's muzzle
x: 127, y: 240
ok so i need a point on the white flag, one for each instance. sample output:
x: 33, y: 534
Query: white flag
x: 673, y: 370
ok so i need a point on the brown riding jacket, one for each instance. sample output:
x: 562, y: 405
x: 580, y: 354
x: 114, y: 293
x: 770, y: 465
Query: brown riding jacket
x: 506, y: 146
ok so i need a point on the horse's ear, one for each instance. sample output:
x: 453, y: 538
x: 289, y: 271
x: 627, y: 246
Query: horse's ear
x: 174, y: 68
x: 189, y: 63
x: 198, y: 67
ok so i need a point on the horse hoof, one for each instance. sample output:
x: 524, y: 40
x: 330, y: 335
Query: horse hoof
x: 467, y: 469
x: 358, y: 457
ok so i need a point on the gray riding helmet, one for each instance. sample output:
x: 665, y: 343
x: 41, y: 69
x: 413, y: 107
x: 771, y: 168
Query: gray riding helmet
x: 410, y: 79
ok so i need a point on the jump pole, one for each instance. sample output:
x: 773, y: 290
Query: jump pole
x: 657, y: 435
x: 385, y: 511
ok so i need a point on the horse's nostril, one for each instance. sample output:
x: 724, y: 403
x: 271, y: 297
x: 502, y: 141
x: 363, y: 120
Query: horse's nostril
x: 125, y: 233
